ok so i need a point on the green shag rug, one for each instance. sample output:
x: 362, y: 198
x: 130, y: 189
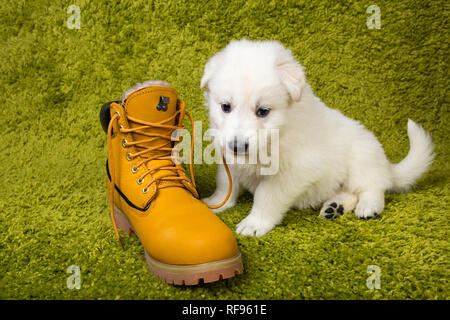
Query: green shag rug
x: 53, y: 199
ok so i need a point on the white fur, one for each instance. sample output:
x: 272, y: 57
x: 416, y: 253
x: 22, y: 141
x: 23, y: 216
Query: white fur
x: 324, y: 156
x: 144, y: 84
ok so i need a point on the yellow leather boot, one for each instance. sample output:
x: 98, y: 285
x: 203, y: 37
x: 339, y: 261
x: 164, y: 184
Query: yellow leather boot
x: 151, y: 196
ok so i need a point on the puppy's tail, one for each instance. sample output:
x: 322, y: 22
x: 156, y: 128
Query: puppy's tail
x: 418, y: 160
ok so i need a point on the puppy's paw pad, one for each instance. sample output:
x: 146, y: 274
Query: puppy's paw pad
x: 331, y: 210
x: 251, y: 226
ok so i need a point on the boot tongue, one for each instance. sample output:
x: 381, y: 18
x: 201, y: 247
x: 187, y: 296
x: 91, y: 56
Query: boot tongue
x: 156, y: 105
x: 152, y: 104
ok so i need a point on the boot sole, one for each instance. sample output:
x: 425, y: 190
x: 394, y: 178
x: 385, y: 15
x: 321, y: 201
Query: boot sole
x: 185, y: 274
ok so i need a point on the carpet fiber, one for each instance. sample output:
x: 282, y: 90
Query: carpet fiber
x: 53, y: 200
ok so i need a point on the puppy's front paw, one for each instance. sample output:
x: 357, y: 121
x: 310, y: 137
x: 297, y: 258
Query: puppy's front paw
x: 215, y: 200
x: 254, y: 226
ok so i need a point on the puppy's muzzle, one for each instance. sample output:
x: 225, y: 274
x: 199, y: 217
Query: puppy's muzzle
x: 237, y: 146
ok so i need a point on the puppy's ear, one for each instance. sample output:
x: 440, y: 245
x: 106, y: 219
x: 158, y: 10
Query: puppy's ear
x: 291, y: 74
x: 210, y: 68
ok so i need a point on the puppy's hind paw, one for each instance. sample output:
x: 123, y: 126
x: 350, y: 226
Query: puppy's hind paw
x: 368, y: 208
x: 370, y: 204
x: 331, y: 210
x: 366, y: 213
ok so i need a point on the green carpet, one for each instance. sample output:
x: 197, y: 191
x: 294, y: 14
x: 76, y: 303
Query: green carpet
x: 53, y: 200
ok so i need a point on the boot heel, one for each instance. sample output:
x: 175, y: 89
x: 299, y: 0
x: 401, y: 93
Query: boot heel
x: 122, y: 221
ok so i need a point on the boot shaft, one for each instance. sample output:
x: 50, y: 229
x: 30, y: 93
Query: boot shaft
x: 142, y: 147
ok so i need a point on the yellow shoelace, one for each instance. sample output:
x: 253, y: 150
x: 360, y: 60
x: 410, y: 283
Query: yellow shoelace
x: 160, y: 152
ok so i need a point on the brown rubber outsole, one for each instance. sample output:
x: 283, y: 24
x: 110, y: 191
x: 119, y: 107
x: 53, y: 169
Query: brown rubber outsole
x: 185, y: 274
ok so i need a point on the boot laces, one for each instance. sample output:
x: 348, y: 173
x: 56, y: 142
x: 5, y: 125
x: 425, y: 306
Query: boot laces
x: 173, y: 173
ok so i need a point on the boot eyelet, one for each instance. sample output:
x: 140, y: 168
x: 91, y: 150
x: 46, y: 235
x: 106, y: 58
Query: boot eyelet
x: 139, y: 181
x: 144, y: 190
x: 129, y: 156
x: 118, y: 114
x: 134, y: 169
x: 124, y: 143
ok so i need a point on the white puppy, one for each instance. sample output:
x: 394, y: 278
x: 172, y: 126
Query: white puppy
x: 324, y: 157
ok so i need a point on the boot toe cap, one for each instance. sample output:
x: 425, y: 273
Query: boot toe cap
x: 193, y: 243
x: 187, y: 232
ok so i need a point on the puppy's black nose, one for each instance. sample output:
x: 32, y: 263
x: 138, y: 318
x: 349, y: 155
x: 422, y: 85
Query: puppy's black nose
x: 237, y: 146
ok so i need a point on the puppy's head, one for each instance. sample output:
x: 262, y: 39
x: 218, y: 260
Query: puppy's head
x: 248, y: 87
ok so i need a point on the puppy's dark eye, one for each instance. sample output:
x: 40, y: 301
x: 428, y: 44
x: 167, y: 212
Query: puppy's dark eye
x: 262, y: 112
x: 226, y: 107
